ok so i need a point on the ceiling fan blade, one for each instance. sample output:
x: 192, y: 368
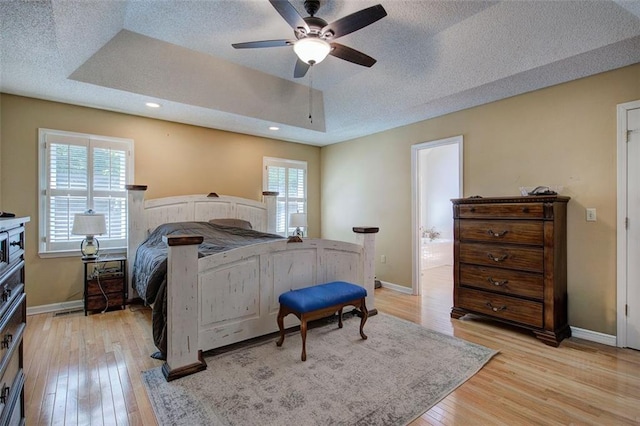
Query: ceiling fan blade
x: 348, y: 54
x: 264, y: 43
x: 290, y: 14
x: 355, y: 21
x: 301, y: 69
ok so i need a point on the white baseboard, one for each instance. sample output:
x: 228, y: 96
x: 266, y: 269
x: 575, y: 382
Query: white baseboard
x: 396, y: 287
x: 593, y: 336
x: 56, y: 307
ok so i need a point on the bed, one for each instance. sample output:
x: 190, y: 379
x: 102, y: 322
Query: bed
x: 231, y: 295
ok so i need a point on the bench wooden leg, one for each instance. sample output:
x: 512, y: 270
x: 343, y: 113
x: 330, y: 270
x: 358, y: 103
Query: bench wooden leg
x: 303, y: 333
x: 363, y: 319
x: 281, y: 316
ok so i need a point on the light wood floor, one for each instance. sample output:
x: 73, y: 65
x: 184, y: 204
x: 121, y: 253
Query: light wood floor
x: 86, y: 370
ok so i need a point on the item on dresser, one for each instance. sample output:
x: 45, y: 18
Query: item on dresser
x: 510, y: 262
x: 105, y: 283
x: 231, y: 295
x: 12, y: 320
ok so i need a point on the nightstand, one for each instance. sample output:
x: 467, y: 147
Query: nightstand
x: 105, y: 283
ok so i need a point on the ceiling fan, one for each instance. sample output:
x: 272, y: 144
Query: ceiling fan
x: 314, y: 36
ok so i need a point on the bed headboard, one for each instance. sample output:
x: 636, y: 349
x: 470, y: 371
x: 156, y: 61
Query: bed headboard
x: 144, y: 216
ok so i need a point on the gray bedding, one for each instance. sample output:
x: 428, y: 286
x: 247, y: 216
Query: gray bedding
x: 150, y: 265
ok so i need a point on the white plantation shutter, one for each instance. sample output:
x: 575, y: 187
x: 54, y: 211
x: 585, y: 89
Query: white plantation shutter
x: 289, y: 179
x: 80, y: 172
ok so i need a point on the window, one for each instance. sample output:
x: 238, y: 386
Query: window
x: 289, y: 179
x: 80, y: 172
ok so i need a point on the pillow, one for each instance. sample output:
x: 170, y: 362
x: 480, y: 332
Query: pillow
x: 238, y: 223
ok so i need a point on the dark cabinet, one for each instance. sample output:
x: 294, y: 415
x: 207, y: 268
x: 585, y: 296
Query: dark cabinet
x: 510, y: 262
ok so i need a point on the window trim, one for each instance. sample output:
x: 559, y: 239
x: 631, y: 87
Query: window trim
x: 286, y: 163
x: 93, y: 140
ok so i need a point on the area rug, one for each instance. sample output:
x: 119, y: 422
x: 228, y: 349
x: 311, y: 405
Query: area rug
x: 393, y: 377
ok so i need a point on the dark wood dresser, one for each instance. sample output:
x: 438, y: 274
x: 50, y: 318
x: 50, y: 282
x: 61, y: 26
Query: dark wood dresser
x: 510, y: 262
x: 13, y: 317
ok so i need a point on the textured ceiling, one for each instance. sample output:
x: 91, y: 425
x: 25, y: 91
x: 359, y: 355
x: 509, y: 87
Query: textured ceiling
x: 434, y: 57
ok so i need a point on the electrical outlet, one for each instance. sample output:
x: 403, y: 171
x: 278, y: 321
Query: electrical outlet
x: 383, y: 258
x: 591, y: 214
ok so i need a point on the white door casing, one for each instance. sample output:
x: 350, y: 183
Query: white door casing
x: 628, y: 224
x: 417, y: 198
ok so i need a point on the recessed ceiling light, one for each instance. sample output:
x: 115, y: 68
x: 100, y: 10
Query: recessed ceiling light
x: 152, y: 105
x: 274, y: 128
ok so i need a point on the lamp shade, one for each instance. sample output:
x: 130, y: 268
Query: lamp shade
x: 89, y: 224
x: 298, y: 220
x: 311, y: 50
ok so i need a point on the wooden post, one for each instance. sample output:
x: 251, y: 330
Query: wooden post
x: 136, y: 228
x: 270, y: 199
x: 366, y: 236
x: 184, y: 356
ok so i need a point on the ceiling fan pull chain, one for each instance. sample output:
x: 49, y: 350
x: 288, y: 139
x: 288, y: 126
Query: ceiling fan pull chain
x: 310, y: 94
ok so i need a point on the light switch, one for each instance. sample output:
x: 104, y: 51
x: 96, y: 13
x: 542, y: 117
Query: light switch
x: 591, y: 214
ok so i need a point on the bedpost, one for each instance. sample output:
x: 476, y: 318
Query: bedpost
x: 270, y: 198
x: 184, y: 356
x: 366, y: 236
x: 136, y: 228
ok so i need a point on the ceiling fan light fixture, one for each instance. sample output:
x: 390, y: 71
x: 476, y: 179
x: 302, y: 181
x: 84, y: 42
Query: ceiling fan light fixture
x: 311, y: 50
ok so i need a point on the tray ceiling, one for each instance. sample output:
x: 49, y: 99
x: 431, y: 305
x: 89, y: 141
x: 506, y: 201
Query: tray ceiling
x: 434, y: 57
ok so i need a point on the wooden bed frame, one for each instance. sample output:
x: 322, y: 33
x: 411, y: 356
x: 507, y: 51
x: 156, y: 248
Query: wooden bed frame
x: 229, y: 297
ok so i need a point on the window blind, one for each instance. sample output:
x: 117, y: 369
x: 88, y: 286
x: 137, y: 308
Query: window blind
x: 288, y: 178
x: 81, y: 172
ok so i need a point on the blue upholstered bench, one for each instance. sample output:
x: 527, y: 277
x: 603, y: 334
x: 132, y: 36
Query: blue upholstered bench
x: 320, y: 301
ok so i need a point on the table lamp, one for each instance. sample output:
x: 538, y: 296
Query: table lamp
x: 299, y: 220
x: 89, y: 224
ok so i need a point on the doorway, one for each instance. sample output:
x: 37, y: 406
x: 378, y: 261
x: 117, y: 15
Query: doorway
x: 436, y: 171
x: 628, y: 224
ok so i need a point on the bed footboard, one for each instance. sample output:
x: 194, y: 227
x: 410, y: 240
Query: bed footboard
x: 233, y: 296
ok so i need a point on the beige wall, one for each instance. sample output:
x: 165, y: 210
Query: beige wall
x: 171, y: 158
x: 563, y: 135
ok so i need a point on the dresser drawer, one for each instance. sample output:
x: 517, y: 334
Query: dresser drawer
x: 514, y: 283
x: 16, y: 243
x: 98, y: 302
x: 11, y: 290
x: 12, y: 374
x: 12, y: 328
x: 505, y: 210
x: 4, y: 251
x: 529, y: 232
x: 110, y: 285
x: 511, y: 257
x: 503, y: 307
x: 13, y: 410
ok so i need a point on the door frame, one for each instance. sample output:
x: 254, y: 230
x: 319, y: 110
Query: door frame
x: 621, y: 237
x: 416, y: 199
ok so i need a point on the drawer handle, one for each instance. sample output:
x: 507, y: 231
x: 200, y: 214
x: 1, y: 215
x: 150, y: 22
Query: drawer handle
x: 497, y: 283
x: 495, y: 308
x: 525, y: 210
x: 14, y: 243
x: 5, y: 342
x: 498, y: 259
x: 497, y: 234
x: 6, y: 294
x: 472, y: 209
x: 4, y: 394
